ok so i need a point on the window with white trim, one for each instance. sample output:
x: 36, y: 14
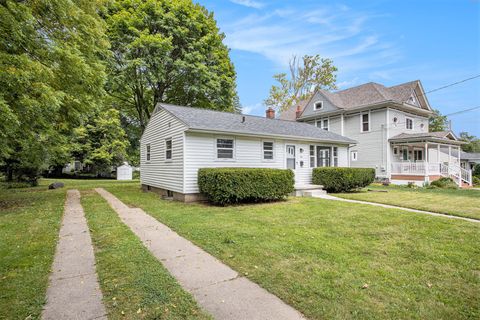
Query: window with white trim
x: 323, y: 124
x: 168, y: 149
x: 147, y: 152
x: 395, y: 150
x: 335, y: 156
x: 225, y: 148
x: 267, y: 150
x: 312, y: 156
x: 354, y: 155
x: 318, y: 105
x: 365, y: 122
x: 409, y: 123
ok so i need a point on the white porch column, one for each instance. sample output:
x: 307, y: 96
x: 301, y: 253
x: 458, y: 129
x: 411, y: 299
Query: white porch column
x: 438, y: 153
x: 458, y: 155
x: 449, y: 154
x: 426, y: 152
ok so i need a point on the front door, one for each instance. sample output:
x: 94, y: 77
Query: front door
x: 323, y: 156
x: 291, y: 157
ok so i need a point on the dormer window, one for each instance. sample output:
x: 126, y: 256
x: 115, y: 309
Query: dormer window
x: 412, y: 100
x: 318, y: 105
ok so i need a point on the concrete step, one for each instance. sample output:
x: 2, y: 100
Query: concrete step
x: 313, y: 193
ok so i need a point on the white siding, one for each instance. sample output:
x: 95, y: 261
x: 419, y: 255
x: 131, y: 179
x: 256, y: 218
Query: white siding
x: 200, y: 152
x: 160, y: 172
x: 399, y: 127
x: 372, y: 145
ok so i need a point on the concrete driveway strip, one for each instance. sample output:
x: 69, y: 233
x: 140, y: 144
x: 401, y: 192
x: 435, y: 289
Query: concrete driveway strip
x: 74, y: 292
x: 216, y: 287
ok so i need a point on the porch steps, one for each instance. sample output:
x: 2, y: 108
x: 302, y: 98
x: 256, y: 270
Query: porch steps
x: 309, y: 190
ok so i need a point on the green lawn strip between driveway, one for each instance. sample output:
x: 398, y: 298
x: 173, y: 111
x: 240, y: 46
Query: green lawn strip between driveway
x: 462, y: 203
x: 317, y: 254
x: 29, y: 224
x: 134, y: 283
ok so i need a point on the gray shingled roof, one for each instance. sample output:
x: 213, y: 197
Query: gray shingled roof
x: 362, y: 95
x: 469, y: 156
x: 441, y: 135
x: 291, y: 113
x: 209, y: 120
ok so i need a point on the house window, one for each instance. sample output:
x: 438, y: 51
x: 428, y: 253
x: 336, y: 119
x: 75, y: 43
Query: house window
x: 318, y: 105
x: 168, y: 149
x: 225, y: 148
x: 323, y: 124
x: 148, y: 152
x: 409, y: 123
x: 365, y: 117
x: 354, y: 155
x: 335, y: 156
x: 268, y: 150
x: 395, y: 150
x: 312, y: 156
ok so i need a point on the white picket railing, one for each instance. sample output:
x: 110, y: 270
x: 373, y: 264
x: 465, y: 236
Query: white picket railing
x: 457, y: 173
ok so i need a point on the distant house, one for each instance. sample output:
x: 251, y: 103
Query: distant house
x: 391, y: 127
x: 179, y: 140
x: 469, y: 160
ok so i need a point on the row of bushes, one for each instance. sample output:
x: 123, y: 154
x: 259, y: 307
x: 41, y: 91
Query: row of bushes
x: 238, y: 185
x: 343, y: 179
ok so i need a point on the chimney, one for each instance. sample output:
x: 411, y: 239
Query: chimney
x: 298, y: 112
x: 270, y: 113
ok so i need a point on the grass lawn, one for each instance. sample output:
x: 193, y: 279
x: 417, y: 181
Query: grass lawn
x: 462, y: 202
x: 337, y: 260
x: 134, y: 284
x: 29, y: 224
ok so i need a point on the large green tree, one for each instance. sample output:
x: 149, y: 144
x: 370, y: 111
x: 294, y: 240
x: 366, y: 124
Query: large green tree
x: 306, y: 75
x: 472, y: 142
x: 51, y: 77
x: 437, y: 122
x: 167, y: 51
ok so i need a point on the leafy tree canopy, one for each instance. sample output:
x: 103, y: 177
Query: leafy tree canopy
x: 473, y: 143
x: 51, y: 75
x: 167, y: 51
x: 306, y: 76
x: 437, y: 122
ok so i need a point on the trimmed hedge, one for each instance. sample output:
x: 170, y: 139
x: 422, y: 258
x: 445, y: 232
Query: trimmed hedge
x: 238, y: 185
x: 336, y: 179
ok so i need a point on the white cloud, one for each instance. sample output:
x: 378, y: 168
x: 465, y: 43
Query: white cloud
x: 249, y: 3
x: 335, y: 31
x: 252, y: 109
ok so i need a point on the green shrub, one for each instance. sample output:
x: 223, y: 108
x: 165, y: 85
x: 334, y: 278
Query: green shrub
x: 476, y: 170
x: 444, y: 183
x: 476, y: 181
x: 343, y: 179
x: 238, y: 185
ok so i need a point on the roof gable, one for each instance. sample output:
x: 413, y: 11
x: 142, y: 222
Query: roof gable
x: 325, y: 98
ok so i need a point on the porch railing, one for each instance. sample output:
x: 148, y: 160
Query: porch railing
x: 423, y: 168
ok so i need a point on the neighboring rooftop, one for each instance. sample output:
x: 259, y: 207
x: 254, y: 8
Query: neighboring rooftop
x: 469, y: 156
x: 363, y: 95
x: 209, y: 120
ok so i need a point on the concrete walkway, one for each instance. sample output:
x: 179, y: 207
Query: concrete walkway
x: 74, y: 292
x: 329, y: 197
x: 218, y: 289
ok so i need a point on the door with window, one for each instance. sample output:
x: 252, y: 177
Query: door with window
x: 323, y: 156
x: 290, y: 156
x: 418, y: 155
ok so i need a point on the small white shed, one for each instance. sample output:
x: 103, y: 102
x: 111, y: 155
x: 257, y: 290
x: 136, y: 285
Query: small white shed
x: 124, y: 172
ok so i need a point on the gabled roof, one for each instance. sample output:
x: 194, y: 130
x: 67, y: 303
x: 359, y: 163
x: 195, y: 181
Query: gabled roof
x: 368, y: 94
x: 291, y: 113
x: 469, y: 156
x: 440, y: 136
x: 225, y: 122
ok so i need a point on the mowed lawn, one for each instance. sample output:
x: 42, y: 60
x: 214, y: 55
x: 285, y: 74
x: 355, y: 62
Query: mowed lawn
x: 337, y: 260
x: 29, y: 224
x: 461, y: 202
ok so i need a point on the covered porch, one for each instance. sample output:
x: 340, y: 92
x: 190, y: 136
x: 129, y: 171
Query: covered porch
x: 423, y: 158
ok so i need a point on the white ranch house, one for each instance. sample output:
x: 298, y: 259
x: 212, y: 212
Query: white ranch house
x: 370, y: 126
x: 180, y: 140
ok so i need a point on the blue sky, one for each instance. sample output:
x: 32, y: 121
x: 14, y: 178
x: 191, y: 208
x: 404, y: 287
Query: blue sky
x: 388, y: 42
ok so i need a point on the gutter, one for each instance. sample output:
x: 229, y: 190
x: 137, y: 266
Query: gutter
x: 239, y: 133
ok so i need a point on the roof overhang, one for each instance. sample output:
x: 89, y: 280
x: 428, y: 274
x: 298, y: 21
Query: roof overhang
x: 272, y: 136
x: 435, y: 140
x: 390, y: 103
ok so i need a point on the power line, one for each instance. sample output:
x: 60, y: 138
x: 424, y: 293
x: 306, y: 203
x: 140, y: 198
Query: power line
x: 452, y: 84
x: 462, y: 111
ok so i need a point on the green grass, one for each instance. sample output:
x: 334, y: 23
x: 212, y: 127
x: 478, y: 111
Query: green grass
x: 29, y: 224
x: 134, y: 283
x: 461, y: 202
x: 317, y: 255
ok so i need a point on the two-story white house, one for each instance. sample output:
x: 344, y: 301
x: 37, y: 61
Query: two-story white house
x: 390, y: 125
